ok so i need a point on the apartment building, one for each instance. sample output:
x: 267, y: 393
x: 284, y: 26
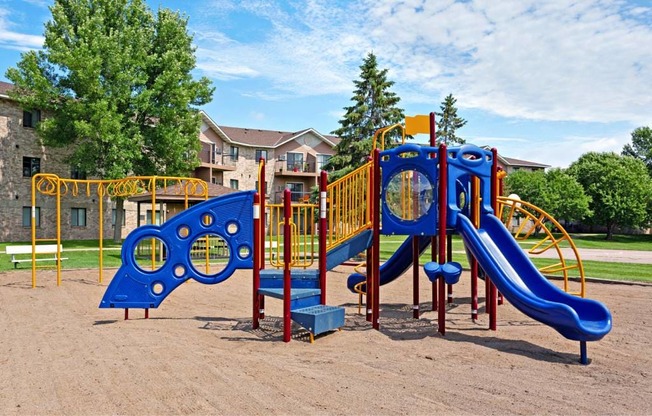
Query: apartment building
x: 294, y: 160
x: 229, y: 161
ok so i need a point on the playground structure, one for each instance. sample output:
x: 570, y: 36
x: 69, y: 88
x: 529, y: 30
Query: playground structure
x: 51, y: 185
x: 426, y: 193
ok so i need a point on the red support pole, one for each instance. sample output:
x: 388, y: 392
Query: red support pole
x: 415, y: 277
x: 263, y: 223
x: 441, y: 233
x: 375, y: 198
x: 146, y: 313
x: 433, y: 240
x: 257, y: 259
x: 323, y: 183
x: 126, y: 313
x: 287, y: 259
x: 494, y: 203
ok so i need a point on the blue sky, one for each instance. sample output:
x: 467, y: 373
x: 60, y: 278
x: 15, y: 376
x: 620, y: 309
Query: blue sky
x: 541, y: 80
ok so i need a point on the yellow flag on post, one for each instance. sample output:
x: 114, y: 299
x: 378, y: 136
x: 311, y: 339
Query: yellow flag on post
x: 417, y: 124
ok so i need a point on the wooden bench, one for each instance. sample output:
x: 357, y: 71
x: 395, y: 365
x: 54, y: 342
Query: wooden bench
x: 39, y: 249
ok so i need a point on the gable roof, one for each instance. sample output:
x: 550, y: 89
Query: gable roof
x: 509, y: 161
x: 262, y: 138
x: 517, y: 163
x: 4, y: 89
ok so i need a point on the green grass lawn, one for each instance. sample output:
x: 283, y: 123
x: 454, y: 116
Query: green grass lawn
x: 85, y: 254
x: 597, y: 241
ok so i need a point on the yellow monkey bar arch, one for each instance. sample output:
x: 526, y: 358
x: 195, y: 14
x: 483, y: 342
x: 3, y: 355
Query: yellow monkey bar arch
x: 52, y: 185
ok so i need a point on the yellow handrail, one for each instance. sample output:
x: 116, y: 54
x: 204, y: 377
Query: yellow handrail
x: 303, y: 236
x: 348, y: 199
x: 530, y: 220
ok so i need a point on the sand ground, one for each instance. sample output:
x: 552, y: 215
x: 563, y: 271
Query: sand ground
x: 198, y: 354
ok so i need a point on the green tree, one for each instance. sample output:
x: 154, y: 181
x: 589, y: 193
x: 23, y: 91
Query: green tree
x: 529, y: 186
x: 641, y: 146
x: 619, y: 187
x: 448, y: 122
x: 115, y: 83
x: 566, y: 199
x: 374, y: 106
x: 554, y: 191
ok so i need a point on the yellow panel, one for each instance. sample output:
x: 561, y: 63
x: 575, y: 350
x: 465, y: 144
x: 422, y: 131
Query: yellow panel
x: 417, y: 124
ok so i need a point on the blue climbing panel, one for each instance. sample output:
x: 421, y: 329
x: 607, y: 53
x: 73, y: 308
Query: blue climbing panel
x: 229, y: 217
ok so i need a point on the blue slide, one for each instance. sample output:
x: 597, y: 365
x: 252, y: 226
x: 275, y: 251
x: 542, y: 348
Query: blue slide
x: 395, y: 266
x: 526, y: 288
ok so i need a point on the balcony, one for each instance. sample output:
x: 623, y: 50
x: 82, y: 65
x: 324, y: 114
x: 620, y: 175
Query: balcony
x: 217, y: 160
x: 300, y: 197
x: 301, y: 169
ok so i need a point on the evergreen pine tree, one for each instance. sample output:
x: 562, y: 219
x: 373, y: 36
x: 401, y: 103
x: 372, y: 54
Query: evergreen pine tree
x: 448, y: 122
x: 374, y: 106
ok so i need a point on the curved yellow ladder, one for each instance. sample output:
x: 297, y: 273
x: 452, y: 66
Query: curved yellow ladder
x: 525, y: 220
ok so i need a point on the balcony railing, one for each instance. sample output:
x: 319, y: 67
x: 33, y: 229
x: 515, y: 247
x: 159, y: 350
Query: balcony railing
x: 302, y: 197
x: 217, y: 158
x: 297, y: 167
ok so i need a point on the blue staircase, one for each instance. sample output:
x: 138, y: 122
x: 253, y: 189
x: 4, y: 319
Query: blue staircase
x: 305, y: 296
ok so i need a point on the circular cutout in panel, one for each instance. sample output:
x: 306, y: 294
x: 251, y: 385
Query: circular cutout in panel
x: 209, y: 254
x: 409, y: 195
x: 179, y: 271
x: 150, y: 254
x: 158, y: 288
x: 207, y: 220
x: 232, y: 228
x: 183, y: 231
x: 244, y: 252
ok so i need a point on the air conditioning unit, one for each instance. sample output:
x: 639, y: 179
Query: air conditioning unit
x: 281, y: 158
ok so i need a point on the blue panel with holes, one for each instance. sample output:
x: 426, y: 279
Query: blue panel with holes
x: 463, y: 163
x: 220, y: 229
x: 409, y: 190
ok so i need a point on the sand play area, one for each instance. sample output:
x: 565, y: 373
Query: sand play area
x: 197, y: 354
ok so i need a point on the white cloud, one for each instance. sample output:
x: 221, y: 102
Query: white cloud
x: 10, y: 39
x: 561, y: 153
x: 554, y: 60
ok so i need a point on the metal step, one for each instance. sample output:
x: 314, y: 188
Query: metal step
x: 320, y: 318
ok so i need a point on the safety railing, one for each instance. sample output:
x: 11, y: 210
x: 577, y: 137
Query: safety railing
x: 529, y: 222
x: 302, y: 223
x: 348, y: 205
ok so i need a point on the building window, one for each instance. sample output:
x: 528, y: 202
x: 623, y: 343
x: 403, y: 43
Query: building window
x: 78, y: 217
x: 295, y: 162
x: 261, y: 154
x: 235, y: 151
x: 321, y: 161
x: 149, y: 217
x: 31, y: 166
x: 296, y: 191
x: 31, y: 118
x: 234, y: 184
x: 114, y: 212
x: 27, y: 216
x: 77, y: 173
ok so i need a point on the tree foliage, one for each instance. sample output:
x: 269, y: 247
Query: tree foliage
x: 374, y: 106
x: 449, y: 122
x: 554, y: 191
x: 115, y: 83
x: 641, y: 146
x: 619, y: 187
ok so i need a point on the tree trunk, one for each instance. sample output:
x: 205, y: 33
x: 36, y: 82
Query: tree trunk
x: 119, y: 213
x: 610, y: 232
